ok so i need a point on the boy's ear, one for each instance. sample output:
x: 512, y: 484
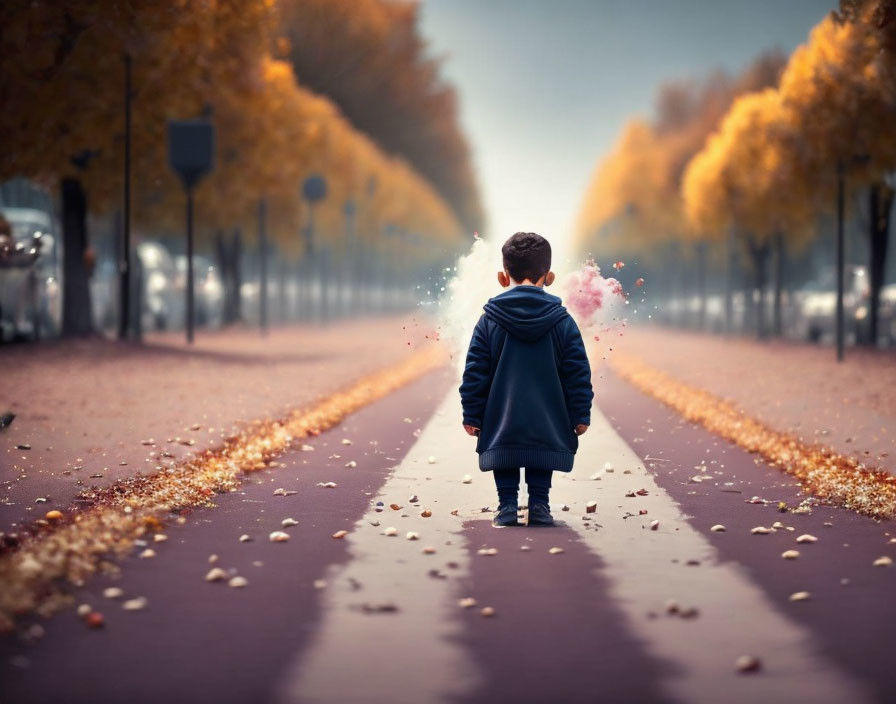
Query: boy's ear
x: 503, y: 279
x: 549, y: 278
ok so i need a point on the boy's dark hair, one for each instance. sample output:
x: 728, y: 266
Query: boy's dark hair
x: 526, y: 256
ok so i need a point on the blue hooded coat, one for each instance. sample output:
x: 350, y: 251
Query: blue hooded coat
x: 527, y: 382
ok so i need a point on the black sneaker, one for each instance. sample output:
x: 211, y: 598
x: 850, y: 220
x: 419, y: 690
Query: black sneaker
x: 540, y: 515
x: 506, y: 515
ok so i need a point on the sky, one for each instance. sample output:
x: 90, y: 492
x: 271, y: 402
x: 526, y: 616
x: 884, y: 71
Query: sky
x: 546, y: 85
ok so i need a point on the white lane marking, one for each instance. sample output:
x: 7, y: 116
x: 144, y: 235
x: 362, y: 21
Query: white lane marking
x: 736, y: 617
x: 414, y: 655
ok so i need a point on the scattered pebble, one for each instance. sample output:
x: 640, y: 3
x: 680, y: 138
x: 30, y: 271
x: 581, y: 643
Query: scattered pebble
x: 654, y: 525
x: 883, y: 561
x: 278, y: 536
x: 113, y: 592
x: 413, y: 499
x: 431, y: 459
x: 760, y: 530
x: 556, y: 551
x: 320, y: 584
x: 467, y: 602
x: 806, y: 538
x: 53, y: 515
x: 245, y: 538
x: 748, y: 664
x: 307, y: 448
x: 215, y: 574
x: 487, y: 551
x: 390, y: 531
x: 395, y: 507
x: 351, y: 464
x: 525, y: 548
x: 591, y: 507
x: 212, y: 559
x: 800, y: 596
x: 136, y: 604
x: 411, y: 535
x: 238, y: 582
x: 284, y: 492
x: 426, y: 513
x: 160, y: 537
x: 608, y: 467
x: 718, y: 528
x: 287, y: 522
x: 84, y: 609
x: 429, y: 550
x: 340, y: 534
x: 467, y: 479
x: 487, y: 611
x: 148, y: 552
x: 564, y: 507
x: 327, y: 485
x: 94, y: 619
x: 777, y: 525
x: 790, y: 554
x: 346, y: 441
x: 23, y: 446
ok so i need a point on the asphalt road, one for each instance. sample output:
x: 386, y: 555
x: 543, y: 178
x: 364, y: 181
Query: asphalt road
x: 376, y: 618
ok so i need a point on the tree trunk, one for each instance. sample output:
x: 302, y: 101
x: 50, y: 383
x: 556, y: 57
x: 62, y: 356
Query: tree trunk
x: 77, y: 318
x: 229, y: 255
x: 236, y: 273
x: 759, y: 253
x: 283, y: 280
x: 701, y: 285
x: 881, y: 201
x: 777, y: 323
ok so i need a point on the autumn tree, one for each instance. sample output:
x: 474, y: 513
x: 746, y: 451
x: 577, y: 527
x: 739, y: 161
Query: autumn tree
x: 747, y: 180
x: 61, y: 88
x: 633, y: 204
x: 369, y: 58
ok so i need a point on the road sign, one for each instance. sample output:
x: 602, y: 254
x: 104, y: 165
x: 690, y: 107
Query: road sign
x: 191, y: 149
x: 314, y: 189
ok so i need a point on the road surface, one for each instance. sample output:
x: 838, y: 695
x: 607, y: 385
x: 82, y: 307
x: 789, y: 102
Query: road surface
x: 624, y: 613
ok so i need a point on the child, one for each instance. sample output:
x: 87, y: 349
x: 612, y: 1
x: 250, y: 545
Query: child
x: 526, y: 390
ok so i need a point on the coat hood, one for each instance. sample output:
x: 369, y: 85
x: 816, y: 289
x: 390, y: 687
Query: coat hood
x: 526, y: 312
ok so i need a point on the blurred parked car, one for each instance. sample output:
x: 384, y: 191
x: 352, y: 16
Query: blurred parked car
x: 163, y: 303
x: 816, y: 305
x: 887, y: 313
x: 208, y: 290
x: 30, y: 293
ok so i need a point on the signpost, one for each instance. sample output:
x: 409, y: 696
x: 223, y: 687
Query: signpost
x: 314, y: 190
x: 348, y: 262
x: 191, y: 149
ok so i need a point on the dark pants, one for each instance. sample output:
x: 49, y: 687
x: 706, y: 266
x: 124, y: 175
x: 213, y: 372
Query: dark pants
x: 538, y: 483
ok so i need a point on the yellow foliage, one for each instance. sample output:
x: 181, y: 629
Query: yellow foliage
x: 63, y: 69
